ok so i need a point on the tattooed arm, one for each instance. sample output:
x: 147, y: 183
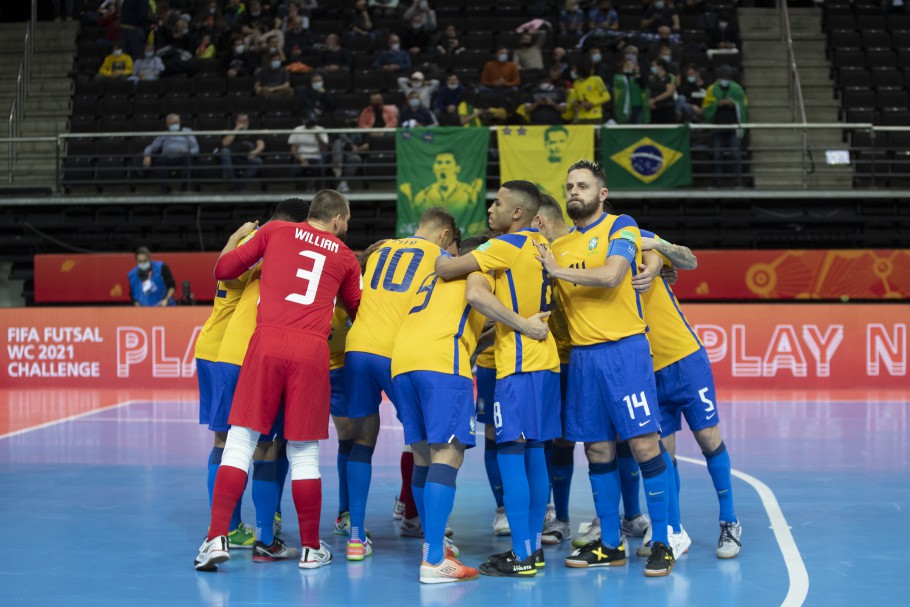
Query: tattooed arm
x: 680, y: 256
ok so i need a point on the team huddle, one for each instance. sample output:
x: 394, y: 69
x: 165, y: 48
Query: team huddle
x: 577, y: 336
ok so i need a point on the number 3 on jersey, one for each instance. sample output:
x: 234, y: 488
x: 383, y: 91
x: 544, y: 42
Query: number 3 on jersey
x: 311, y: 276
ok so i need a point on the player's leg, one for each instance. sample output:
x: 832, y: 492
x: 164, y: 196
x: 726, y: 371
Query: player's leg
x: 634, y: 523
x: 344, y: 430
x: 486, y: 386
x: 306, y: 487
x: 562, y: 465
x: 224, y: 379
x: 546, y: 426
x: 405, y: 508
x: 538, y: 493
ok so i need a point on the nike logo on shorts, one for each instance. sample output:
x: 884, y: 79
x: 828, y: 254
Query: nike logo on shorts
x: 712, y: 415
x: 644, y: 423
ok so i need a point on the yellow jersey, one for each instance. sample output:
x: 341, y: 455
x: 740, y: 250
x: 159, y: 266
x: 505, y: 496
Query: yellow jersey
x: 486, y: 358
x: 559, y: 328
x: 598, y: 314
x: 227, y: 295
x: 439, y: 331
x: 669, y: 333
x: 393, y: 274
x: 521, y: 285
x: 242, y: 324
x: 341, y: 323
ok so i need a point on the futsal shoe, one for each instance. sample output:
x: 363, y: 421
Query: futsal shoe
x: 212, y: 552
x: 343, y: 524
x: 679, y: 542
x: 410, y: 527
x: 448, y: 571
x: 636, y: 526
x: 728, y: 544
x: 598, y: 554
x: 539, y: 560
x: 276, y: 552
x: 501, y: 523
x: 555, y: 532
x: 645, y: 549
x: 398, y: 510
x: 589, y: 533
x: 550, y: 515
x: 660, y: 562
x: 509, y: 565
x: 313, y: 558
x: 276, y: 525
x: 451, y: 549
x: 357, y: 550
x: 243, y: 536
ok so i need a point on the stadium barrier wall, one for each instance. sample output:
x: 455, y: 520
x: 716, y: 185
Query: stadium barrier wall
x: 751, y: 346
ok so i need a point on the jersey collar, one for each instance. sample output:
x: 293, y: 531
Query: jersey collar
x: 591, y: 226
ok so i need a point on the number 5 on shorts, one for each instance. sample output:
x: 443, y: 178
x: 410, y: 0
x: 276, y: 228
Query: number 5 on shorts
x: 706, y: 400
x: 497, y: 415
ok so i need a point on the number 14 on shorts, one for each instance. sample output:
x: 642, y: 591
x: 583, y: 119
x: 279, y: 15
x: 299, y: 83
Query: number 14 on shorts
x: 637, y: 401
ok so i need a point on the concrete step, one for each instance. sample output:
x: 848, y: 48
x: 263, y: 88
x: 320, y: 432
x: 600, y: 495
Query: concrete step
x: 51, y: 105
x: 44, y: 127
x: 59, y: 86
x: 809, y: 49
x: 815, y: 114
x: 815, y: 76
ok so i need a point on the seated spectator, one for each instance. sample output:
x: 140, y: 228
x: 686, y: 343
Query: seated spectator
x: 90, y: 17
x: 314, y: 100
x: 586, y: 99
x: 500, y: 74
x: 665, y: 38
x: 346, y: 158
x: 116, y: 65
x: 630, y: 90
x: 151, y: 282
x: 205, y: 50
x: 273, y: 80
x: 418, y: 83
x: 448, y: 42
x: 545, y: 103
x: 179, y: 37
x: 255, y: 17
x: 560, y: 60
x: 240, y: 150
x: 333, y: 57
x: 726, y: 103
x: 382, y: 8
x: 378, y: 115
x: 725, y: 34
x: 665, y: 53
x: 170, y: 152
x: 529, y: 55
x: 360, y: 24
x: 448, y: 98
x: 242, y: 61
x: 415, y: 113
x: 209, y: 19
x: 422, y: 8
x: 417, y: 38
x: 554, y: 75
x: 234, y: 14
x: 658, y: 13
x: 267, y: 38
x: 394, y: 59
x: 661, y: 90
x: 603, y: 17
x: 692, y: 90
x: 572, y: 18
x: 308, y: 146
x: 297, y: 40
x: 150, y: 67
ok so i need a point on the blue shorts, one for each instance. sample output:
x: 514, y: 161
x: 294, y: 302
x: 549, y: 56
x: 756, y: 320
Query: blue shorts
x: 687, y: 387
x: 611, y: 391
x: 366, y: 377
x: 339, y: 403
x: 526, y: 405
x: 435, y: 407
x: 206, y: 375
x: 486, y: 384
x: 224, y: 378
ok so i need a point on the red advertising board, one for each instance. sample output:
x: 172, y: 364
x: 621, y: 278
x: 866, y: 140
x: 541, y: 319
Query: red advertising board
x: 760, y: 346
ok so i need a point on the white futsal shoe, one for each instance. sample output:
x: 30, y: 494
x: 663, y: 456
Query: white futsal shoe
x: 312, y: 558
x: 211, y: 553
x: 728, y: 545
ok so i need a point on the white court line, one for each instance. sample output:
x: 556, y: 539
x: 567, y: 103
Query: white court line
x: 67, y: 419
x: 796, y: 568
x: 144, y: 420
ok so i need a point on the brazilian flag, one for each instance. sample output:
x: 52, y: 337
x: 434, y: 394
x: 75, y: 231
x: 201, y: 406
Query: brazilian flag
x: 657, y: 158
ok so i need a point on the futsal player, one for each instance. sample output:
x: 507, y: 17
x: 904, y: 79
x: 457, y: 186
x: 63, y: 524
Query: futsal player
x: 526, y: 400
x: 393, y: 274
x: 611, y: 389
x: 307, y: 267
x: 486, y: 385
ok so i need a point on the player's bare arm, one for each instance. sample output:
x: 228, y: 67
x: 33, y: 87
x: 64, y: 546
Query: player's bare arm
x: 608, y: 275
x: 647, y: 271
x: 488, y: 336
x: 448, y: 268
x: 669, y: 274
x: 241, y: 233
x: 680, y: 256
x: 480, y: 295
x: 369, y: 251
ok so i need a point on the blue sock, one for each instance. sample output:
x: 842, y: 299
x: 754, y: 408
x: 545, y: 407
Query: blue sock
x: 628, y: 480
x: 214, y: 462
x: 676, y: 476
x: 439, y: 497
x: 489, y: 460
x: 360, y: 470
x: 654, y: 476
x: 344, y: 450
x: 538, y: 490
x: 563, y: 468
x: 516, y: 494
x: 548, y: 456
x: 418, y: 488
x: 719, y: 468
x: 265, y: 499
x: 673, y: 516
x: 605, y: 486
x: 282, y: 465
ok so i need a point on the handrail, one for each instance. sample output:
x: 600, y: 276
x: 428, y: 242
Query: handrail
x: 17, y: 108
x: 797, y: 101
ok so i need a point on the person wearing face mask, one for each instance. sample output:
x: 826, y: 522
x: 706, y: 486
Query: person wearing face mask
x: 661, y: 88
x: 417, y: 39
x: 448, y: 42
x: 588, y: 95
x: 241, y: 150
x: 383, y: 8
x: 150, y: 67
x: 171, y: 152
x: 314, y: 99
x: 724, y: 35
x: 692, y: 90
x: 116, y: 65
x: 660, y: 13
x: 500, y: 74
x: 415, y: 113
x: 136, y: 17
x: 255, y: 16
x: 546, y: 103
x: 272, y: 79
x: 151, y: 282
x: 394, y: 59
x: 419, y: 84
x: 422, y: 8
x: 599, y: 67
x: 309, y: 147
x: 378, y: 115
x: 448, y: 97
x: 726, y: 103
x: 630, y: 90
x: 529, y: 55
x: 242, y: 61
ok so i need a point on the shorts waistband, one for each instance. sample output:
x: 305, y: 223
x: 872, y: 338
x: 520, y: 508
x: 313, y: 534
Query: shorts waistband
x: 607, y: 344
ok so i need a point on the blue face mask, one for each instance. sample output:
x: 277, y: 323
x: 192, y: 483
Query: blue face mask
x: 144, y: 266
x: 173, y: 127
x: 276, y: 65
x: 415, y: 103
x: 654, y: 70
x: 691, y: 79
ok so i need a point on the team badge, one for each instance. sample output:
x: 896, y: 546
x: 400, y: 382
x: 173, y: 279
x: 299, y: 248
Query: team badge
x: 592, y: 244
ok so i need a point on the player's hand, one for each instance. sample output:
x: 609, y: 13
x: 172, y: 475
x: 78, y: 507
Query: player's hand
x: 147, y: 161
x: 245, y: 230
x: 648, y: 244
x: 163, y: 303
x: 669, y: 274
x: 536, y: 326
x: 641, y: 282
x: 369, y: 251
x: 546, y: 258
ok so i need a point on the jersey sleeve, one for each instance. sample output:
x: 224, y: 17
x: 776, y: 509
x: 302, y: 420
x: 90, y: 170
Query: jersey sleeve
x: 649, y: 234
x: 499, y: 253
x: 625, y: 238
x: 234, y: 263
x: 351, y: 286
x: 490, y: 280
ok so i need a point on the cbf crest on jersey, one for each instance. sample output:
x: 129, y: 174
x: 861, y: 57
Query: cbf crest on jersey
x: 592, y: 244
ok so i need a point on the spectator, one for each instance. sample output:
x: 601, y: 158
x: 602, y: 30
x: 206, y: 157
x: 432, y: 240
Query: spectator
x: 361, y: 24
x: 546, y: 103
x: 307, y: 146
x: 468, y: 113
x: 415, y: 113
x: 333, y: 57
x: 417, y: 39
x: 725, y: 34
x: 571, y: 18
x: 293, y: 11
x: 209, y: 19
x: 665, y: 53
x: 500, y: 74
x: 604, y: 17
x: 661, y: 90
x: 242, y: 61
x: 630, y: 92
x: 206, y: 49
x: 658, y: 13
x: 297, y: 40
x: 314, y: 100
x: 110, y: 21
x: 90, y: 17
x: 150, y: 67
x: 235, y: 14
x: 264, y: 38
x: 692, y: 90
x: 116, y: 65
x: 169, y: 152
x: 449, y: 43
x: 135, y: 17
x: 378, y: 115
x: 588, y: 95
x: 530, y: 56
x: 418, y: 83
x: 422, y: 8
x: 240, y: 150
x: 346, y: 150
x: 382, y: 8
x: 394, y: 59
x: 598, y: 65
x: 666, y: 42
x: 560, y: 60
x: 255, y: 17
x: 554, y: 75
x: 448, y: 98
x: 273, y: 80
x: 726, y: 103
x: 151, y: 282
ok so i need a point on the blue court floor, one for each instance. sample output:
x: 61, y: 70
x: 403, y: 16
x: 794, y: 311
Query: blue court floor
x: 108, y: 509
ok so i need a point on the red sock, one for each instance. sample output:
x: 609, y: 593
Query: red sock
x: 229, y: 484
x: 308, y: 502
x: 407, y: 496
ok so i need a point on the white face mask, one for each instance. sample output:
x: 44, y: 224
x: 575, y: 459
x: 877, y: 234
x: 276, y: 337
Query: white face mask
x: 596, y: 57
x: 722, y: 24
x: 667, y: 58
x: 174, y: 127
x: 118, y: 52
x: 317, y: 86
x: 503, y: 57
x: 211, y: 11
x: 144, y: 266
x: 276, y: 64
x: 149, y: 54
x: 658, y: 5
x: 415, y: 103
x: 453, y: 86
x: 724, y: 83
x: 395, y: 47
x: 239, y: 49
x: 424, y: 6
x: 692, y: 79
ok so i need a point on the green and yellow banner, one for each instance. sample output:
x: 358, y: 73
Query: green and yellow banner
x: 646, y: 158
x: 442, y: 166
